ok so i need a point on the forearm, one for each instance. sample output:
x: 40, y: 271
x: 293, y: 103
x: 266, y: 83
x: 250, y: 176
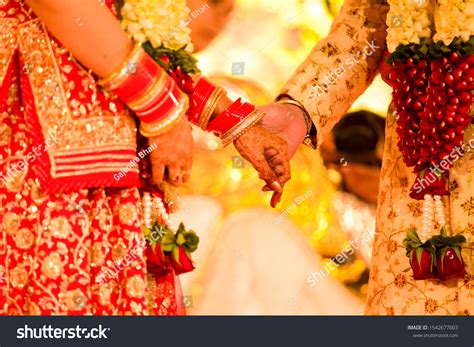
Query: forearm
x: 341, y: 66
x: 88, y: 30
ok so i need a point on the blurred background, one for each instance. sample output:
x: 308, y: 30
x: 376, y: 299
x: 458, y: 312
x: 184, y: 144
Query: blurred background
x: 310, y: 255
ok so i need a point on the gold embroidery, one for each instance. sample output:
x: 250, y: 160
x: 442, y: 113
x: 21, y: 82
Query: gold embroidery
x: 94, y: 157
x: 75, y: 300
x: 8, y: 42
x: 97, y: 255
x: 60, y: 227
x: 86, y: 172
x: 11, y: 222
x: 136, y: 286
x: 90, y: 133
x: 105, y: 292
x: 52, y: 266
x: 24, y: 238
x: 18, y: 277
x: 127, y: 214
x: 119, y: 251
x: 5, y: 134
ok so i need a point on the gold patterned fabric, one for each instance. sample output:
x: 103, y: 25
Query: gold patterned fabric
x: 79, y: 252
x: 337, y: 71
x: 86, y: 135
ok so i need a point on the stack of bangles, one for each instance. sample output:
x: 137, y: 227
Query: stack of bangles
x: 228, y: 125
x: 148, y: 91
x: 159, y: 103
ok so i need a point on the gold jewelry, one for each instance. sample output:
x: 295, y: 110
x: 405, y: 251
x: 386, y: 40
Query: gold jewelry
x: 116, y: 78
x: 210, y: 106
x: 242, y: 127
x: 307, y: 118
x: 162, y: 126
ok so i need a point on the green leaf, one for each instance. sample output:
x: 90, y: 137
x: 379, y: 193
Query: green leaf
x: 192, y: 241
x: 176, y: 255
x: 457, y: 250
x: 443, y: 231
x: 180, y: 239
x: 118, y: 7
x: 419, y: 252
x: 442, y: 255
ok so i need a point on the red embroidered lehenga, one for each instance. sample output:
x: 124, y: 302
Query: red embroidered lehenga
x: 64, y: 218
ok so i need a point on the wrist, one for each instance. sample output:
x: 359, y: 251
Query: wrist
x: 309, y: 137
x: 149, y: 91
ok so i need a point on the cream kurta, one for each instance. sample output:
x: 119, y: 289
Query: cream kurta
x: 338, y: 70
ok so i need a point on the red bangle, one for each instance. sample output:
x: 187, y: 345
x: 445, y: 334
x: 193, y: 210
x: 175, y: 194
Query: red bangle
x: 145, y: 87
x: 142, y: 77
x: 233, y: 115
x: 200, y: 96
x: 161, y: 106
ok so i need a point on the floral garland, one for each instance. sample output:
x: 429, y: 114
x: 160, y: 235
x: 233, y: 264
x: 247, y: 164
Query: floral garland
x: 432, y: 74
x: 166, y: 249
x: 162, y: 22
x: 160, y: 27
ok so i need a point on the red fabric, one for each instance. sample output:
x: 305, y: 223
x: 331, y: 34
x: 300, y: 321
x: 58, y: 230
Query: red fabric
x: 66, y: 253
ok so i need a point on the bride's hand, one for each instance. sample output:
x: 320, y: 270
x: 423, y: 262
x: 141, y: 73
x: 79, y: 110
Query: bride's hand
x: 268, y: 154
x: 173, y: 157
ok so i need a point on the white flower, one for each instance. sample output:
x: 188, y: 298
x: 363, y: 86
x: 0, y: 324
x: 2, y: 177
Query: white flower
x: 408, y: 22
x: 157, y: 21
x: 454, y: 18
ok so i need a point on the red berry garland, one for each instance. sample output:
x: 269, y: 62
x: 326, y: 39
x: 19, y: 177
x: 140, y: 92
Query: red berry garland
x: 432, y: 93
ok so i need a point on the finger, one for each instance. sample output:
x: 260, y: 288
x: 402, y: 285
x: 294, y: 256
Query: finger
x: 175, y: 175
x: 256, y: 157
x: 279, y: 171
x: 276, y: 160
x: 158, y: 172
x: 275, y: 186
x: 186, y: 176
x: 282, y: 159
x: 276, y: 198
x: 271, y: 152
x: 186, y: 172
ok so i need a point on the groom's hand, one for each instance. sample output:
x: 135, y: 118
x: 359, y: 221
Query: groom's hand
x: 287, y: 121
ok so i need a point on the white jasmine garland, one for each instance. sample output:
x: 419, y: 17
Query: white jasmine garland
x: 408, y: 22
x: 444, y: 20
x: 158, y: 21
x: 454, y: 18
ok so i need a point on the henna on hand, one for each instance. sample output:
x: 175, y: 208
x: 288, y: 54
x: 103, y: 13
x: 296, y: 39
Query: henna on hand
x: 268, y: 154
x: 173, y: 158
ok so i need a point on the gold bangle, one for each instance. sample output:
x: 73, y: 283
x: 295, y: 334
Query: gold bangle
x: 115, y: 79
x: 242, y: 127
x: 162, y: 126
x: 210, y: 106
x: 307, y: 117
x: 308, y: 140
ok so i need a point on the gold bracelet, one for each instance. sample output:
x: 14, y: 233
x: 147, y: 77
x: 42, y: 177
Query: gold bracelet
x: 242, y: 127
x: 116, y: 78
x: 210, y: 106
x: 162, y: 126
x: 307, y: 118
